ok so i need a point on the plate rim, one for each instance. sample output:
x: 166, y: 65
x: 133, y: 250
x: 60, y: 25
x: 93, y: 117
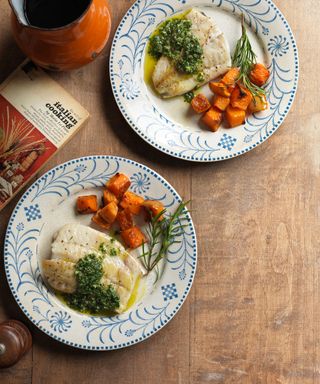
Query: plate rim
x: 174, y: 311
x: 212, y: 159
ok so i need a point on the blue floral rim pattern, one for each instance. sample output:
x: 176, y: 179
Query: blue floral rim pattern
x: 21, y: 251
x: 164, y: 134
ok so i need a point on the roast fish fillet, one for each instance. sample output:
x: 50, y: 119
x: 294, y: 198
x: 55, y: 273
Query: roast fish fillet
x: 168, y: 82
x: 74, y: 241
x: 60, y: 275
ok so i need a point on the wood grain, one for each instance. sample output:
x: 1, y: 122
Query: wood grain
x: 252, y: 316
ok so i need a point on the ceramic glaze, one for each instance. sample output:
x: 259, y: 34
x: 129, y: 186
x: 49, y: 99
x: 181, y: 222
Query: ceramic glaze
x: 66, y: 47
x: 49, y: 203
x: 168, y: 124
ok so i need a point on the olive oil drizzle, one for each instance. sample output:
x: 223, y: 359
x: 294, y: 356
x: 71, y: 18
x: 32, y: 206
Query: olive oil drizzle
x: 150, y: 62
x: 110, y: 311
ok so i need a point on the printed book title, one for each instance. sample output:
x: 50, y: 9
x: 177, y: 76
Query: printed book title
x: 62, y: 114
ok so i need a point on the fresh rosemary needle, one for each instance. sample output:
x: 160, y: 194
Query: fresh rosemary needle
x: 162, y: 234
x: 244, y: 58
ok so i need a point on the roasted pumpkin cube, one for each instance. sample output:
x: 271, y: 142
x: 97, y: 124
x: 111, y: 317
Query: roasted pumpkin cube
x: 109, y: 212
x: 153, y: 208
x: 221, y: 102
x: 200, y: 103
x: 132, y: 202
x: 231, y: 76
x: 258, y: 104
x: 219, y: 89
x: 259, y: 74
x: 98, y: 220
x: 241, y: 97
x: 235, y: 116
x: 125, y: 219
x: 231, y: 88
x: 109, y: 197
x: 118, y: 184
x: 87, y: 204
x: 212, y: 119
x: 133, y: 237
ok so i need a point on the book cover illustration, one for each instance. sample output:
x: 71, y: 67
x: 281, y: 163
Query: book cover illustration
x: 23, y: 150
x: 37, y: 117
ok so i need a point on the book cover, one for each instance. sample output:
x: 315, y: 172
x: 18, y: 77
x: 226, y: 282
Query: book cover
x: 37, y: 117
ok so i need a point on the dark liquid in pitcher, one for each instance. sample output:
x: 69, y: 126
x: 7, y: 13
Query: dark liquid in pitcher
x: 54, y: 13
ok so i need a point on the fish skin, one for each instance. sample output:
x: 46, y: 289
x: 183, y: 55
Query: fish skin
x: 168, y: 82
x: 74, y: 241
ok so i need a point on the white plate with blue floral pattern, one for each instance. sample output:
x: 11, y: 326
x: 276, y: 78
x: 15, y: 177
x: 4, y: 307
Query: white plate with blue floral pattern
x: 45, y: 207
x: 166, y: 124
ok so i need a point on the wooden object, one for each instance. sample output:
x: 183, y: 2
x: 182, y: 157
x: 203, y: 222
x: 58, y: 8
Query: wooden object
x: 253, y: 314
x: 15, y: 341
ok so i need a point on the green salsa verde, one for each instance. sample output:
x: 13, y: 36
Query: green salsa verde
x: 91, y: 296
x: 188, y: 97
x: 175, y: 40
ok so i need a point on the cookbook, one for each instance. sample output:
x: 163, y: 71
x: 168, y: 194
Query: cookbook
x: 37, y: 117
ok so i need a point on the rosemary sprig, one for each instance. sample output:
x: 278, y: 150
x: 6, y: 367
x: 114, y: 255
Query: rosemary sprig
x: 162, y: 234
x: 244, y: 58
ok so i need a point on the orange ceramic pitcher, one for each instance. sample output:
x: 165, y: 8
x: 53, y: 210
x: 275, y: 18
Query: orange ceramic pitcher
x: 66, y: 47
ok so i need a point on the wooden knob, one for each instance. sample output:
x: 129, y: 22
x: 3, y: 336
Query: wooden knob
x: 15, y: 341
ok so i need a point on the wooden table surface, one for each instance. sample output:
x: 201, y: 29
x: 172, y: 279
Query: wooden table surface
x: 253, y: 312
